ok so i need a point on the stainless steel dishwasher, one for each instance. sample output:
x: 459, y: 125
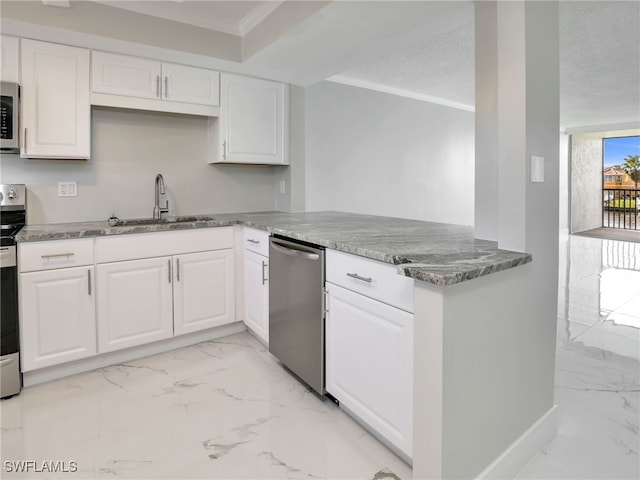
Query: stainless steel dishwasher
x: 296, y: 308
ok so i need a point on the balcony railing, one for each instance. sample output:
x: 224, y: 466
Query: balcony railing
x: 621, y: 208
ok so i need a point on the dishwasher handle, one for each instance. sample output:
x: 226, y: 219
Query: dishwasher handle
x: 293, y: 252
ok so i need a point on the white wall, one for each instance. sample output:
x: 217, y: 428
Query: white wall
x: 128, y: 149
x: 374, y: 153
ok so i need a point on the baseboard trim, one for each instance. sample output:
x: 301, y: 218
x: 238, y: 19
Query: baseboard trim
x: 520, y: 452
x: 48, y: 374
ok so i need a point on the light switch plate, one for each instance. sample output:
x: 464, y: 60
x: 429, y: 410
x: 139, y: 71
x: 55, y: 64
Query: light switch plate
x: 67, y: 189
x: 537, y: 169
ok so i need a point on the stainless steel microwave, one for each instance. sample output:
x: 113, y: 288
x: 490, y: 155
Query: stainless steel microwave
x: 9, y: 125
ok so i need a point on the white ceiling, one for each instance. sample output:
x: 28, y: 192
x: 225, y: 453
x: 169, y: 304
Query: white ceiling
x: 426, y: 49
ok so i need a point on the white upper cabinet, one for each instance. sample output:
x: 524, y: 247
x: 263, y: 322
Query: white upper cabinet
x: 139, y: 83
x: 123, y: 75
x: 254, y: 121
x: 9, y: 58
x: 190, y: 84
x: 56, y: 110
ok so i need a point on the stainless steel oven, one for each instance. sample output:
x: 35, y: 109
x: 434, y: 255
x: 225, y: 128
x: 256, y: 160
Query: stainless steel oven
x: 9, y: 124
x: 12, y: 219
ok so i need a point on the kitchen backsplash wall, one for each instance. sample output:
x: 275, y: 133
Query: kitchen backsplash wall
x: 128, y: 149
x: 375, y: 153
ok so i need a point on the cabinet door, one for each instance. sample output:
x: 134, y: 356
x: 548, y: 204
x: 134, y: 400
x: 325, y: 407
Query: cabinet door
x: 134, y: 303
x: 204, y: 292
x: 55, y: 101
x: 253, y: 121
x: 369, y: 363
x: 190, y: 84
x: 124, y: 75
x: 57, y: 317
x: 256, y: 294
x: 9, y: 52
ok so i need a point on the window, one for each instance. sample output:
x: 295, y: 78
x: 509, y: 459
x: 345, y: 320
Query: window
x: 616, y: 149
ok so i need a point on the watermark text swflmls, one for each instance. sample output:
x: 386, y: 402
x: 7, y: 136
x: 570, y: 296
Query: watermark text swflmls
x: 42, y: 466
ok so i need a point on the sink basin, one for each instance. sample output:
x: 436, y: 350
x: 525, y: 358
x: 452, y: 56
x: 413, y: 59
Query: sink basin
x: 132, y: 222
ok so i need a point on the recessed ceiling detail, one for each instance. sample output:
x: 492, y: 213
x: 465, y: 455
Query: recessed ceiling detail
x: 424, y: 49
x: 233, y: 17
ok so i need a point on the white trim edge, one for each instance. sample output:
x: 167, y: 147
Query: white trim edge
x: 355, y: 82
x: 520, y: 452
x: 55, y: 372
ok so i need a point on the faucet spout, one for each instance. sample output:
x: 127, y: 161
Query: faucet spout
x: 159, y: 189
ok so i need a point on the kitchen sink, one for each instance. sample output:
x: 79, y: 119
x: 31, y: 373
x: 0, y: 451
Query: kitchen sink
x: 132, y: 222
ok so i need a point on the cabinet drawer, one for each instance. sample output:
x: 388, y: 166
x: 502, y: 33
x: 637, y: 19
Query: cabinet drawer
x: 117, y: 248
x: 374, y: 279
x: 55, y: 254
x: 256, y: 240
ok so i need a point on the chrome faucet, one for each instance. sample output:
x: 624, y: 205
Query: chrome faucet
x: 157, y: 209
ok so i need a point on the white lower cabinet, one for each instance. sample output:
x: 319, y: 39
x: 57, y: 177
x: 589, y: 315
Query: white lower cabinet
x: 57, y: 316
x: 256, y: 293
x: 134, y: 303
x: 369, y: 363
x: 203, y: 292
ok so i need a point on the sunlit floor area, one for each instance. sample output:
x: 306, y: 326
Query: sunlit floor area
x: 597, y: 364
x: 227, y: 409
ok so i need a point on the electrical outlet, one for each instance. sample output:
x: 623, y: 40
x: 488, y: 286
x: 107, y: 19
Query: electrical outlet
x: 67, y: 189
x: 283, y: 186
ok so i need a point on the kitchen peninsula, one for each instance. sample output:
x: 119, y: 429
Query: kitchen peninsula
x: 472, y: 350
x: 436, y: 253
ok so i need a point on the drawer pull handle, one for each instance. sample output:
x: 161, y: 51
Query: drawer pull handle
x: 358, y: 277
x: 89, y: 281
x: 251, y: 240
x: 264, y: 265
x: 57, y: 255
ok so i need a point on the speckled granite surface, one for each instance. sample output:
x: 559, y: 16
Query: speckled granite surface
x: 437, y: 253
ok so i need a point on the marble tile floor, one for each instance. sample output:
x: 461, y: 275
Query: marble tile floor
x: 226, y: 409
x: 597, y: 385
x: 222, y: 409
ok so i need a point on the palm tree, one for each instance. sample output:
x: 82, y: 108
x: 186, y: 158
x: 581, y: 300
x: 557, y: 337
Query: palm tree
x: 631, y: 167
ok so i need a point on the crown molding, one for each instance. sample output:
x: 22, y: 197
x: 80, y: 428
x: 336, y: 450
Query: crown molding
x: 355, y: 82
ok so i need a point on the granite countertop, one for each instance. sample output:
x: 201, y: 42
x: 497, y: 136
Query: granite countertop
x: 437, y: 253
